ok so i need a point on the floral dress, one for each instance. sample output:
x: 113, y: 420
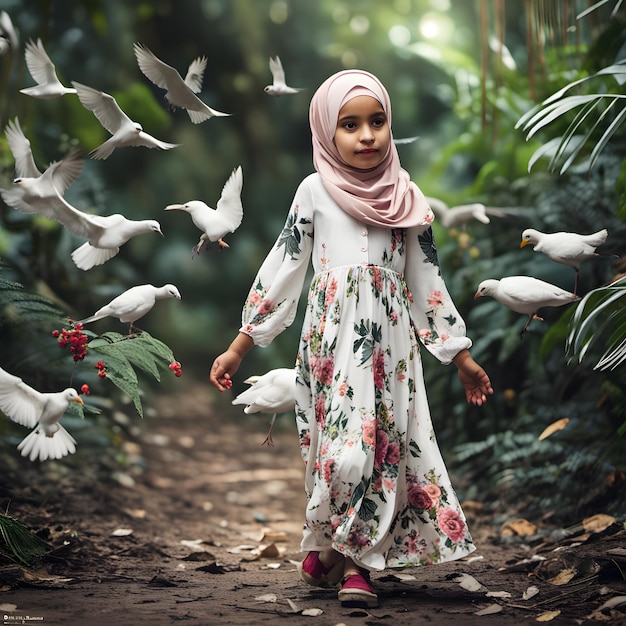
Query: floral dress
x: 376, y: 485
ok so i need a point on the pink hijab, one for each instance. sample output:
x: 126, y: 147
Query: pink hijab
x: 381, y: 196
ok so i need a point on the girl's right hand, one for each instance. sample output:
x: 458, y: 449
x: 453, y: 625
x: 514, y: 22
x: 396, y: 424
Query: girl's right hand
x: 224, y: 366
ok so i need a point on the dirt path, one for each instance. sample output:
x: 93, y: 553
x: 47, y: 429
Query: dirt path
x: 203, y: 527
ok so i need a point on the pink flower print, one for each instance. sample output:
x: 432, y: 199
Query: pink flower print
x: 326, y: 371
x: 451, y: 524
x: 444, y: 336
x: 390, y: 484
x: 393, y: 316
x: 328, y: 470
x: 320, y: 410
x: 343, y: 388
x: 266, y: 307
x: 435, y: 298
x: 369, y: 432
x: 434, y: 492
x: 418, y: 498
x: 382, y: 443
x: 379, y: 369
x: 305, y: 439
x: 412, y: 542
x: 331, y: 292
x: 424, y: 333
x: 377, y: 279
x: 393, y: 288
x: 255, y: 298
x: 393, y: 454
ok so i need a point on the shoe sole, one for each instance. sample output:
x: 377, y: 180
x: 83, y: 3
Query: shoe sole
x: 356, y: 599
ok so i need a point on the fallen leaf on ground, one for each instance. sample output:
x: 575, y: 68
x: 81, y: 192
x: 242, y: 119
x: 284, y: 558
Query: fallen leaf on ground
x: 597, y: 523
x: 554, y: 427
x: 294, y: 607
x: 519, y: 527
x: 268, y: 597
x: 530, y: 593
x: 498, y: 594
x: 489, y: 610
x: 548, y: 616
x: 312, y: 612
x: 275, y: 535
x: 611, y: 603
x: 406, y: 577
x: 617, y: 551
x: 8, y: 607
x: 563, y: 577
x: 122, y: 532
x: 469, y: 583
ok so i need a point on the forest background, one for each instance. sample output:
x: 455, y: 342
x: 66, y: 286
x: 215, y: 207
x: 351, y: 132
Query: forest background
x: 461, y: 74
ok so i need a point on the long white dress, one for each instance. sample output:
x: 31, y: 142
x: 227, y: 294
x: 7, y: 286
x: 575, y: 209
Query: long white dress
x: 376, y: 485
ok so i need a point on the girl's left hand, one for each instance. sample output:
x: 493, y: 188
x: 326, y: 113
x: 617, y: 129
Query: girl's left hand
x: 474, y: 378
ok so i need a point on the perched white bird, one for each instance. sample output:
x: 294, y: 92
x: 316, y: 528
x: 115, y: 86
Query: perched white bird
x: 40, y: 411
x: 25, y: 166
x: 180, y: 93
x: 566, y: 248
x: 42, y: 70
x: 279, y: 86
x: 8, y: 36
x: 216, y: 223
x: 462, y: 214
x: 38, y: 194
x: 133, y: 304
x: 273, y: 392
x: 524, y: 294
x: 124, y: 131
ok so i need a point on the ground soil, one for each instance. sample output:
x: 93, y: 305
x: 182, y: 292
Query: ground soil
x: 198, y: 522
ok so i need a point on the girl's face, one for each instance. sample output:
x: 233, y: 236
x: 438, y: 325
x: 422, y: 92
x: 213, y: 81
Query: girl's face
x: 362, y: 135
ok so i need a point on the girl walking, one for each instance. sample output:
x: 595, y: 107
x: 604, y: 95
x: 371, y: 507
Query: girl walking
x: 378, y: 493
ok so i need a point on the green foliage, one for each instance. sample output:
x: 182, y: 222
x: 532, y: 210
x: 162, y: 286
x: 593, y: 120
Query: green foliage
x: 122, y: 353
x: 19, y: 543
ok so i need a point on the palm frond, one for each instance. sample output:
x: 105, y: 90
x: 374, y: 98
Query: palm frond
x: 19, y: 543
x: 600, y: 319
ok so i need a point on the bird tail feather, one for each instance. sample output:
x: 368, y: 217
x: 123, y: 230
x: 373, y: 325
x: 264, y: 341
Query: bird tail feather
x: 197, y: 117
x: 87, y: 256
x: 37, y: 445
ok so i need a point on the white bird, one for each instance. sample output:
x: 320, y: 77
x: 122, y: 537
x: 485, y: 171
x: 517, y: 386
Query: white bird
x: 124, y: 131
x: 37, y: 194
x: 279, y: 86
x: 42, y: 70
x: 8, y: 36
x: 273, y: 392
x: 566, y: 248
x: 41, y: 412
x: 180, y: 93
x: 524, y: 294
x: 216, y: 223
x: 25, y: 166
x: 464, y: 213
x: 133, y: 304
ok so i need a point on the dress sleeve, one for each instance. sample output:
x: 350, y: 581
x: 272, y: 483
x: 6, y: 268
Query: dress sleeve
x: 439, y: 325
x: 272, y: 302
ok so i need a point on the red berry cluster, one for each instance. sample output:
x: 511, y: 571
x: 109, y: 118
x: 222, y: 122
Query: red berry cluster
x: 75, y: 339
x: 85, y: 389
x: 102, y: 369
x: 176, y: 367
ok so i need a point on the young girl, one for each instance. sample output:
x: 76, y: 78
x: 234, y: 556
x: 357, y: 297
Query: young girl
x: 378, y: 493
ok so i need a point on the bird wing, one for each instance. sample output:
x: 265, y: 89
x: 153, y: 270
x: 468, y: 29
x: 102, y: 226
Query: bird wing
x: 81, y: 224
x: 229, y: 207
x: 66, y: 171
x: 20, y: 147
x: 7, y: 29
x: 160, y: 73
x: 195, y: 73
x: 129, y: 301
x: 278, y: 73
x: 39, y: 63
x: 103, y: 106
x: 21, y: 403
x: 148, y: 141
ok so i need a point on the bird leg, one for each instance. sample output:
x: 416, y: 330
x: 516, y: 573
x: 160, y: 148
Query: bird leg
x: 134, y: 330
x: 576, y: 279
x: 532, y: 316
x: 268, y: 440
x: 222, y: 243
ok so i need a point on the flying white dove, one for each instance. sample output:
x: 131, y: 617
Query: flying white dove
x: 566, y: 248
x: 42, y: 70
x: 38, y: 194
x: 279, y: 86
x: 25, y: 166
x: 124, y: 131
x: 524, y: 294
x: 8, y: 36
x: 40, y: 411
x: 216, y: 223
x: 462, y: 214
x: 180, y: 93
x: 133, y: 304
x: 273, y: 392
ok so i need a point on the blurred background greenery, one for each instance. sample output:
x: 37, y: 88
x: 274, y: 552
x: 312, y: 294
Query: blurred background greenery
x: 460, y: 73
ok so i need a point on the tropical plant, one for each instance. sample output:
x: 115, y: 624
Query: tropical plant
x: 600, y: 320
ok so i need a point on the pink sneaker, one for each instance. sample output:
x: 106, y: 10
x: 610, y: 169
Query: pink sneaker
x: 357, y: 592
x: 313, y: 572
